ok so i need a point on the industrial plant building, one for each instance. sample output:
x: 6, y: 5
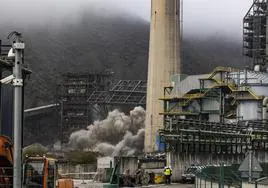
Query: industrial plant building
x: 206, y: 118
x: 224, y: 112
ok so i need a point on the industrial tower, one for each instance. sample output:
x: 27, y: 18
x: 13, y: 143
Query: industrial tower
x: 164, y: 61
x: 255, y: 40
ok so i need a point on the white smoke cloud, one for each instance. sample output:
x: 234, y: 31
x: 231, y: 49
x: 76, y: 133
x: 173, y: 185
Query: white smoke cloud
x: 118, y: 134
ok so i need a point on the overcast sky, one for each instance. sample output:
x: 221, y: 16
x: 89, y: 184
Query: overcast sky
x: 207, y: 16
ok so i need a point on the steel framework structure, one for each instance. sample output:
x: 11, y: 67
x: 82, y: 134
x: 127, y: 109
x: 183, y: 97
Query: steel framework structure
x: 124, y: 92
x: 254, y: 40
x: 194, y: 136
x: 73, y: 94
x: 216, y: 85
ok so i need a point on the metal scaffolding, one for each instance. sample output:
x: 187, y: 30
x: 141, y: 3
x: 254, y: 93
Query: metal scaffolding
x: 4, y: 49
x: 194, y: 136
x: 254, y: 40
x: 187, y: 127
x: 124, y: 92
x: 73, y: 94
x: 216, y: 86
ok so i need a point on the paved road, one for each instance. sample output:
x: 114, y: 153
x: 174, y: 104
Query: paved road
x: 88, y: 184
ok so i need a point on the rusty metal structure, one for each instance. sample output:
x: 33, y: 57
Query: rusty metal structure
x: 73, y: 93
x: 194, y: 136
x: 123, y: 92
x: 81, y: 95
x: 216, y: 112
x: 255, y: 33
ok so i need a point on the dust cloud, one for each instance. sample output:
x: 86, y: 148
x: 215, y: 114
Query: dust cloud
x: 116, y: 135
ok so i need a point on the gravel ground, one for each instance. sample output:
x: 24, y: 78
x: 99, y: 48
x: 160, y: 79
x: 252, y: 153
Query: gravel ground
x: 90, y: 184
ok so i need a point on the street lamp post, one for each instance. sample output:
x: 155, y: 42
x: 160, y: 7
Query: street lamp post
x: 18, y: 46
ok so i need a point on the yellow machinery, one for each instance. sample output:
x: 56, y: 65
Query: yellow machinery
x: 42, y: 172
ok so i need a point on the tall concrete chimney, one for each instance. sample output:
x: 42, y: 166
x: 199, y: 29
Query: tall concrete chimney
x: 164, y: 61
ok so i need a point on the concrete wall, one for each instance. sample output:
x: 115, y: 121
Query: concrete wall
x: 130, y: 163
x: 214, y: 117
x: 210, y: 104
x: 153, y: 165
x: 260, y: 90
x: 248, y: 110
x: 66, y: 168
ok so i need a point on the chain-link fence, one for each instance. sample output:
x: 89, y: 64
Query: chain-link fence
x: 229, y: 177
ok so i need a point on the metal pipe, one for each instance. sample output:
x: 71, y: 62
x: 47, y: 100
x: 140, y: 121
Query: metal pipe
x: 266, y: 57
x: 209, y: 132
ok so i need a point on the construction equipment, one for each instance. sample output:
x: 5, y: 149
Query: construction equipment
x: 43, y: 172
x: 6, y: 162
x: 139, y: 178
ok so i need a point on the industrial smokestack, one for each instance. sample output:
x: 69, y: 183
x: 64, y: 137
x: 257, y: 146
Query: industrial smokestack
x: 164, y: 61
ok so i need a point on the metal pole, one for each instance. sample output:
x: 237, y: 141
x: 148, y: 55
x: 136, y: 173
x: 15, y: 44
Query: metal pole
x: 250, y: 167
x: 18, y: 46
x: 1, y: 122
x: 222, y: 175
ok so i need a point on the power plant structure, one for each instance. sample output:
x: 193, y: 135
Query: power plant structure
x: 255, y: 32
x: 164, y: 61
x: 73, y: 93
x: 208, y: 118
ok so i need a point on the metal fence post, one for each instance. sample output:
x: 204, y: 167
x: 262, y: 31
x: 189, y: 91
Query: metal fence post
x: 211, y: 184
x: 222, y: 175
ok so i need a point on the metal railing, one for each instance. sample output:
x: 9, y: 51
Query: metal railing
x: 6, y: 177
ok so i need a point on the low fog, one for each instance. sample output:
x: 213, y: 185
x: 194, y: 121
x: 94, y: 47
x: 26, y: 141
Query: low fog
x: 208, y: 17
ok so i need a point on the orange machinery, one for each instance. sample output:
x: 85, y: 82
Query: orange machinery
x: 39, y: 172
x: 43, y: 172
x: 6, y: 162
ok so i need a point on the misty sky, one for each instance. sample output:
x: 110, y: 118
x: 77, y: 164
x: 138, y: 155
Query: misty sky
x: 207, y: 16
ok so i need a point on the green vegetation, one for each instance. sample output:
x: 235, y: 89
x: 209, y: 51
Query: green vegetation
x: 82, y: 157
x: 74, y: 157
x: 34, y: 149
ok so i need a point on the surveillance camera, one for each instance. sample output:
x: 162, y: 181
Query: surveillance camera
x: 7, y: 80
